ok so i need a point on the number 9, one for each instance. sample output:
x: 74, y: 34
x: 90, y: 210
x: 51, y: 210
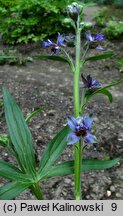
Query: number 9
x: 114, y: 206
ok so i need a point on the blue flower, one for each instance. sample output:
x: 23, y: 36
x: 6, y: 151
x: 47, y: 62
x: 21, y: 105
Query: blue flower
x: 95, y: 39
x: 91, y: 84
x: 55, y: 47
x: 81, y: 127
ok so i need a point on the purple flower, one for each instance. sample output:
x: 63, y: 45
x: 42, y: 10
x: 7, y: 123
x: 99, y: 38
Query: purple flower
x: 95, y: 39
x: 91, y: 84
x: 55, y: 47
x: 81, y: 127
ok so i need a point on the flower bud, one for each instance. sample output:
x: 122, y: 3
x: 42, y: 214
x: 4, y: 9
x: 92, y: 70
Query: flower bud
x: 74, y: 10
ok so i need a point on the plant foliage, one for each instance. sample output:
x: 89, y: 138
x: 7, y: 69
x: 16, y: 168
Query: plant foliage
x: 31, y: 20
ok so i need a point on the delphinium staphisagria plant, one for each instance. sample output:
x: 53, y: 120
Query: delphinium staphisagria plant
x: 77, y: 132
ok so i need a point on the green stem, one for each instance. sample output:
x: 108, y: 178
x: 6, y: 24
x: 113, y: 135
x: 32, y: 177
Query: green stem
x: 78, y: 148
x: 37, y: 192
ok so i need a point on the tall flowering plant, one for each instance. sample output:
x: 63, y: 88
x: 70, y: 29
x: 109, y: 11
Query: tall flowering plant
x: 76, y: 133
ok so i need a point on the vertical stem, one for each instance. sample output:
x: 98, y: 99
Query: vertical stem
x: 36, y: 190
x: 77, y: 149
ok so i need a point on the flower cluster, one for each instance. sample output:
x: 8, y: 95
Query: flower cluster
x: 81, y: 127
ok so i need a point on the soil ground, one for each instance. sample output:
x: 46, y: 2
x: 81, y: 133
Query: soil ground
x: 51, y: 83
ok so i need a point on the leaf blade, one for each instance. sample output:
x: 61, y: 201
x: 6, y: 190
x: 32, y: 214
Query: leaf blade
x: 13, y: 189
x: 53, y: 151
x: 11, y: 172
x: 99, y: 57
x: 67, y: 168
x: 51, y: 57
x: 19, y: 133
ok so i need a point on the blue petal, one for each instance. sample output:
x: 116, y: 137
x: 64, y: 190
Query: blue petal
x: 99, y: 37
x: 89, y: 138
x: 72, y: 138
x: 88, y: 121
x: 72, y: 123
x: 100, y: 48
x: 89, y: 37
x: 96, y: 83
x: 60, y: 39
x: 47, y: 43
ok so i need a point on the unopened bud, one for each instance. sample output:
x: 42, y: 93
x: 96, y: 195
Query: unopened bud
x: 74, y: 10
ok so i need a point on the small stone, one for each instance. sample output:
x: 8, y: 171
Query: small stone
x: 118, y: 195
x: 108, y: 193
x: 112, y: 188
x: 67, y: 181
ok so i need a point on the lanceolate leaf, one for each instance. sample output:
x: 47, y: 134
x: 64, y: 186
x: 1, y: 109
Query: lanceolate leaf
x: 13, y: 189
x: 99, y: 57
x: 67, y: 168
x: 51, y: 57
x: 11, y: 172
x: 19, y: 133
x: 102, y: 91
x: 53, y: 151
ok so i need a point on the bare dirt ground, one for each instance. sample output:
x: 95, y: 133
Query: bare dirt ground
x: 51, y: 83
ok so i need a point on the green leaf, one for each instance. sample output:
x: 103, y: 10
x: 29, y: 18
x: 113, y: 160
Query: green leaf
x: 19, y: 133
x: 90, y: 165
x: 99, y: 57
x: 53, y: 151
x: 67, y: 168
x: 100, y: 91
x: 51, y: 57
x: 13, y: 189
x: 4, y: 140
x: 103, y: 90
x: 11, y: 172
x: 7, y: 57
x: 34, y: 113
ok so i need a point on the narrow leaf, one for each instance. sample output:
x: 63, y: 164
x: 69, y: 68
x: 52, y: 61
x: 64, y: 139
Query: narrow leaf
x: 34, y: 113
x: 13, y: 189
x: 53, y: 151
x: 51, y: 57
x: 102, y: 91
x: 99, y: 57
x: 7, y: 57
x: 11, y: 172
x: 67, y: 168
x: 19, y: 133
